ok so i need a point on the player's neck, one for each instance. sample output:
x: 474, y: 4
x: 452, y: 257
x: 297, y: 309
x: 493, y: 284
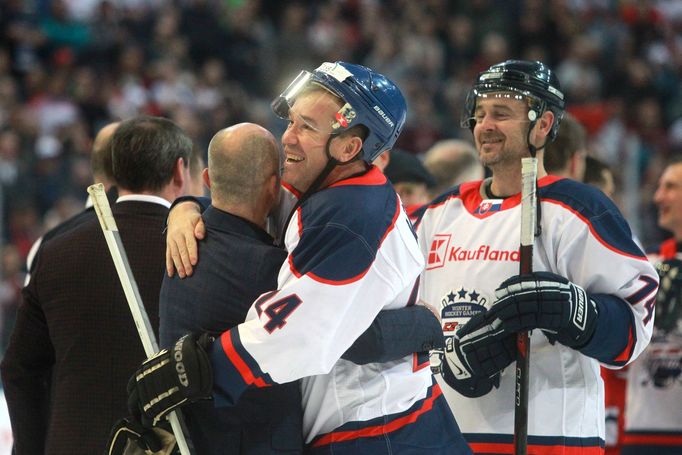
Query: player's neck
x: 506, y: 181
x: 341, y: 172
x: 255, y: 213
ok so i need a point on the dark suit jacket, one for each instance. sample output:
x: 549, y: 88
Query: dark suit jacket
x: 76, y: 220
x: 237, y: 263
x: 74, y: 321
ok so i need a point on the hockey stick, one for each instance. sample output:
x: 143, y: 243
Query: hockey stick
x: 125, y: 275
x: 529, y: 173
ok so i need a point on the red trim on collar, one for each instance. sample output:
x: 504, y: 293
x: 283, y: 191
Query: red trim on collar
x: 372, y: 177
x: 471, y: 195
x: 548, y: 180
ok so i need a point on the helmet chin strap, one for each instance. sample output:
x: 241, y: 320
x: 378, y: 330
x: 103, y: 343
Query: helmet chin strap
x: 533, y: 117
x: 317, y: 183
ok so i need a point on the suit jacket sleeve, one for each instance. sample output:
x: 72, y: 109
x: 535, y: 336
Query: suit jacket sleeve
x: 26, y: 370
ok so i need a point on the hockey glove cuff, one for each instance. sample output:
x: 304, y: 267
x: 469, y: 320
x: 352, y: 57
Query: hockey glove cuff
x: 129, y: 437
x: 170, y: 379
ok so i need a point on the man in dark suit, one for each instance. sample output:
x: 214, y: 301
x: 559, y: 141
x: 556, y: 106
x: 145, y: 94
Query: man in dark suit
x: 239, y: 262
x: 74, y: 320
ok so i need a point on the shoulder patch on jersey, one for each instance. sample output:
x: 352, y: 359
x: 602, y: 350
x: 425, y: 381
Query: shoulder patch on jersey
x: 341, y: 231
x: 596, y: 210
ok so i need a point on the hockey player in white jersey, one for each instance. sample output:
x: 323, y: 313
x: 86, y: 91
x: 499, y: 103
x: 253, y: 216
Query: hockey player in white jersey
x: 589, y: 301
x: 352, y: 253
x: 653, y: 402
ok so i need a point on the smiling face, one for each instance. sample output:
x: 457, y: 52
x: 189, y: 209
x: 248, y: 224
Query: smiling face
x: 500, y: 130
x: 306, y: 136
x: 668, y: 198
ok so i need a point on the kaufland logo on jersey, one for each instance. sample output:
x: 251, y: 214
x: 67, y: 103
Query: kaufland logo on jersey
x: 441, y: 252
x: 438, y: 250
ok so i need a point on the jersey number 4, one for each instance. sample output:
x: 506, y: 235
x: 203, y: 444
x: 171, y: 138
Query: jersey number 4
x: 278, y: 311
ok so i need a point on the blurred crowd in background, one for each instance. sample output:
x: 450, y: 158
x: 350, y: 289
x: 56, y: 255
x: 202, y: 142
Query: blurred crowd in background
x: 67, y: 67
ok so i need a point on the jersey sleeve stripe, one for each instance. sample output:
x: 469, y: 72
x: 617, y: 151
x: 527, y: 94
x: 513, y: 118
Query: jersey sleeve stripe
x: 624, y: 356
x: 410, y: 416
x: 241, y: 359
x: 640, y: 255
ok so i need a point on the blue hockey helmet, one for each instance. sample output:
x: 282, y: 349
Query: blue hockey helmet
x: 531, y: 80
x: 370, y: 99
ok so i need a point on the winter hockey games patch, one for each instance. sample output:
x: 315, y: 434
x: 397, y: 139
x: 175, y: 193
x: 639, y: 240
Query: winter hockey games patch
x: 458, y: 306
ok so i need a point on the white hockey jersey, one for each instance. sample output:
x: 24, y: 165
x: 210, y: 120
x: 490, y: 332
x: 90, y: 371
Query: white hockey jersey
x: 471, y: 245
x: 352, y: 253
x: 653, y: 404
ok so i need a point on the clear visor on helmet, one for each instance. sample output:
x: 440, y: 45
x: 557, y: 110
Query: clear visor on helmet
x: 468, y: 119
x: 314, y: 111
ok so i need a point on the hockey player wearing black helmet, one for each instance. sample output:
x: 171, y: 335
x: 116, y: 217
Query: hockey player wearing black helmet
x: 351, y: 254
x: 588, y: 301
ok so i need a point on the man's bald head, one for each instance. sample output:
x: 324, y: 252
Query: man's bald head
x: 241, y: 159
x: 452, y: 161
x: 100, y: 158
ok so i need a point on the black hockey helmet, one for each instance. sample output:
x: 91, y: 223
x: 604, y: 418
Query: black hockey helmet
x: 531, y: 80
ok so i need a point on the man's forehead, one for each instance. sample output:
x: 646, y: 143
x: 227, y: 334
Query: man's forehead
x: 317, y: 101
x: 501, y: 99
x: 672, y: 174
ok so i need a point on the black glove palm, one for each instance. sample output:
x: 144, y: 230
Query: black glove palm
x: 129, y: 436
x: 542, y: 300
x: 472, y: 364
x: 170, y: 379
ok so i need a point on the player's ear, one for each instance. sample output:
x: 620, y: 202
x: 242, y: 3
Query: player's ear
x: 205, y: 177
x: 545, y: 122
x: 350, y: 147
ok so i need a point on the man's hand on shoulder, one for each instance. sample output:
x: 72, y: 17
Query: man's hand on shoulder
x: 185, y: 228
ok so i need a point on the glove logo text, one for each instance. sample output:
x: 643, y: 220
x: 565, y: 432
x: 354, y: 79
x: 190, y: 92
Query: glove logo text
x: 179, y: 365
x: 580, y: 311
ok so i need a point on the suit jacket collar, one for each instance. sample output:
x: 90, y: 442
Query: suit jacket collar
x: 145, y: 198
x: 139, y: 208
x: 226, y: 222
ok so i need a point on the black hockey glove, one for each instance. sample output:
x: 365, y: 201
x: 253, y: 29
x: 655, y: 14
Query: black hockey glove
x: 542, y: 300
x: 170, y: 379
x: 130, y: 437
x: 472, y: 364
x: 669, y: 296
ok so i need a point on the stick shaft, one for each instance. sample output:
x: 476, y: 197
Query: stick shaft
x: 132, y: 293
x: 529, y: 172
